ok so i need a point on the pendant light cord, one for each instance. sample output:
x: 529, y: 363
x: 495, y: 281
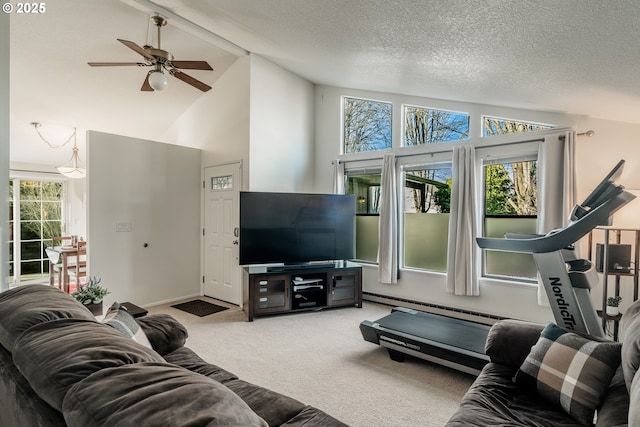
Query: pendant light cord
x: 37, y: 125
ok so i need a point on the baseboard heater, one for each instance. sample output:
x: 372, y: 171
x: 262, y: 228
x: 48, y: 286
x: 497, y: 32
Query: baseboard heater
x: 455, y: 343
x: 457, y: 313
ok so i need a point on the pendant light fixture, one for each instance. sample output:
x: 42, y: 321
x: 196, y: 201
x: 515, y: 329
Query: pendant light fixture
x: 73, y: 168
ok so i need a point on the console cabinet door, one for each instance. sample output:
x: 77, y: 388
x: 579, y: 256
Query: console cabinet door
x: 345, y: 288
x: 270, y: 293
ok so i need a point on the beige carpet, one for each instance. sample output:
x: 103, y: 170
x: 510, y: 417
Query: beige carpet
x: 321, y: 359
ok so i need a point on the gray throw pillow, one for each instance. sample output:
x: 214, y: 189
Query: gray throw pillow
x: 570, y: 371
x: 119, y: 319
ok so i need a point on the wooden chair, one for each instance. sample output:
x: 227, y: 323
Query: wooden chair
x: 77, y: 270
x: 55, y: 269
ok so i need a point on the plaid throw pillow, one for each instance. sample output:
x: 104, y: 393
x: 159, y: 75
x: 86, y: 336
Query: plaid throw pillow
x: 119, y: 318
x: 570, y: 371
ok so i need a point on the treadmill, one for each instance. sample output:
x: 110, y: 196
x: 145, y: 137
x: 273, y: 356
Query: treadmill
x: 459, y: 344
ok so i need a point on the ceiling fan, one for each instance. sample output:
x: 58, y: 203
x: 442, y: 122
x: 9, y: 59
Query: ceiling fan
x: 161, y: 61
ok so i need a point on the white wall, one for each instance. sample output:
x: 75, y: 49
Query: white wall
x: 218, y: 123
x: 156, y: 189
x: 613, y: 140
x: 596, y: 156
x: 4, y: 151
x: 282, y: 130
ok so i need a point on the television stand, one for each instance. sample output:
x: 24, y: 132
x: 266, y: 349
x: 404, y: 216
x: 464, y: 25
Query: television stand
x: 289, y: 288
x: 304, y: 266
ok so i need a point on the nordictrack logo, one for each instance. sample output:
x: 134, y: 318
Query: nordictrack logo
x: 568, y: 320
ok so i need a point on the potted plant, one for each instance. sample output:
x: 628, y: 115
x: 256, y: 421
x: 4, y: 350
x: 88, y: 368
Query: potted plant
x: 91, y: 295
x: 612, y: 305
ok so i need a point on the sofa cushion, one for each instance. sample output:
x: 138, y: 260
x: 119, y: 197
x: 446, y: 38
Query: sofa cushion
x: 53, y: 356
x: 570, y: 371
x: 494, y: 399
x: 311, y: 416
x: 151, y: 394
x: 630, y: 324
x: 164, y: 332
x: 119, y: 319
x: 25, y: 306
x: 509, y: 341
x: 615, y: 408
x: 188, y: 359
x: 275, y: 408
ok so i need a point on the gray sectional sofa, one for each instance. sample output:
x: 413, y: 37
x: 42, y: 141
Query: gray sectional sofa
x: 526, y: 384
x: 59, y: 366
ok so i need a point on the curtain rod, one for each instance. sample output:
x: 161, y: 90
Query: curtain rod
x: 432, y: 153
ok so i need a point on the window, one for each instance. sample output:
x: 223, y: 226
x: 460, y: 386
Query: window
x: 428, y: 126
x: 366, y: 125
x: 499, y: 126
x: 510, y: 206
x: 427, y: 194
x: 35, y: 212
x: 366, y: 187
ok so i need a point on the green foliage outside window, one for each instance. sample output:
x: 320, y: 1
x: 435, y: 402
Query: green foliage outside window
x: 40, y: 219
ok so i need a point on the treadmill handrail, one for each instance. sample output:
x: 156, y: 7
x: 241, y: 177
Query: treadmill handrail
x: 561, y: 238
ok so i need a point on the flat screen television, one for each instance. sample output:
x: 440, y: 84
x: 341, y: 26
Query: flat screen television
x: 295, y: 228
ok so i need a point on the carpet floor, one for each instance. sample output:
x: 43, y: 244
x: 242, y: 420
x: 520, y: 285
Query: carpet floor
x: 321, y: 359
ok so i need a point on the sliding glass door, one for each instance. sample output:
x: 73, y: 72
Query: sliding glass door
x: 35, y: 213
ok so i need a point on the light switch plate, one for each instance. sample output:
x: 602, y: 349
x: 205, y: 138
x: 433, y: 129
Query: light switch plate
x: 123, y: 227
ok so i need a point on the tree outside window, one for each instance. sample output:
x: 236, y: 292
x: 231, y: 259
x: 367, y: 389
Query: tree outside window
x: 429, y: 126
x: 499, y: 126
x: 366, y: 125
x: 427, y: 197
x: 39, y: 220
x: 510, y: 206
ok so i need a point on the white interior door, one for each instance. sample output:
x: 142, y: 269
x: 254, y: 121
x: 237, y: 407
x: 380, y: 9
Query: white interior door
x: 222, y: 275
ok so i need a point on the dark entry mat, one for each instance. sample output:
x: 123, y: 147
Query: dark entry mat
x: 199, y: 307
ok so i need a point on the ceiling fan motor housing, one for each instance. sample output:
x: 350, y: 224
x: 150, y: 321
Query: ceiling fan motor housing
x: 161, y: 55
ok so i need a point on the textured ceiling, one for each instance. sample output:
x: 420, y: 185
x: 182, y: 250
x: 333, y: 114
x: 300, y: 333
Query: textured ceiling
x: 574, y: 56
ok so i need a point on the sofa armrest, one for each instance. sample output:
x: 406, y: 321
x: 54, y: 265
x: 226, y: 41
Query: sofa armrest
x: 164, y: 332
x: 509, y: 341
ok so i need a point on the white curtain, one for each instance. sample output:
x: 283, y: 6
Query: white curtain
x: 461, y: 256
x: 338, y: 177
x: 556, y: 188
x: 388, y: 226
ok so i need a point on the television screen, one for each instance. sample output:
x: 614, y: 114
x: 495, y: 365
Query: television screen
x: 294, y: 228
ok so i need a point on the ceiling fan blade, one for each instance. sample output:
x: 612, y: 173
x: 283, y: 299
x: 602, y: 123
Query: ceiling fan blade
x: 190, y: 80
x: 192, y: 65
x: 141, y: 51
x: 146, y: 87
x: 117, y: 64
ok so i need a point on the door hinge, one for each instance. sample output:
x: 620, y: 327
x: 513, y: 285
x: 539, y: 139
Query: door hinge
x: 203, y: 232
x: 203, y: 184
x: 202, y: 279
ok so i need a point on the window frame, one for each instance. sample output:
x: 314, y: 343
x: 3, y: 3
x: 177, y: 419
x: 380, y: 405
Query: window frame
x: 17, y: 176
x: 441, y: 160
x: 438, y: 143
x: 527, y: 154
x: 343, y: 100
x: 516, y: 144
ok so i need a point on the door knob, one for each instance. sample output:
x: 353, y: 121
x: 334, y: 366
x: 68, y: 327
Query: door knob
x: 235, y: 242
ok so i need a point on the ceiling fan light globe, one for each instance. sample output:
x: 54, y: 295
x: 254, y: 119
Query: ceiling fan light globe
x: 157, y: 80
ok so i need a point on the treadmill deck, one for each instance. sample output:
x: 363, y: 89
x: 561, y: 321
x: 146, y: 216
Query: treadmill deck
x: 452, y: 342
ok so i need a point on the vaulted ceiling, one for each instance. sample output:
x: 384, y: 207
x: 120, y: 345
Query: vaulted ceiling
x: 574, y: 56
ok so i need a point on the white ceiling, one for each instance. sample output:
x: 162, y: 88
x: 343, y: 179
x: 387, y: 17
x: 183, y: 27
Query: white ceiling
x: 574, y: 56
